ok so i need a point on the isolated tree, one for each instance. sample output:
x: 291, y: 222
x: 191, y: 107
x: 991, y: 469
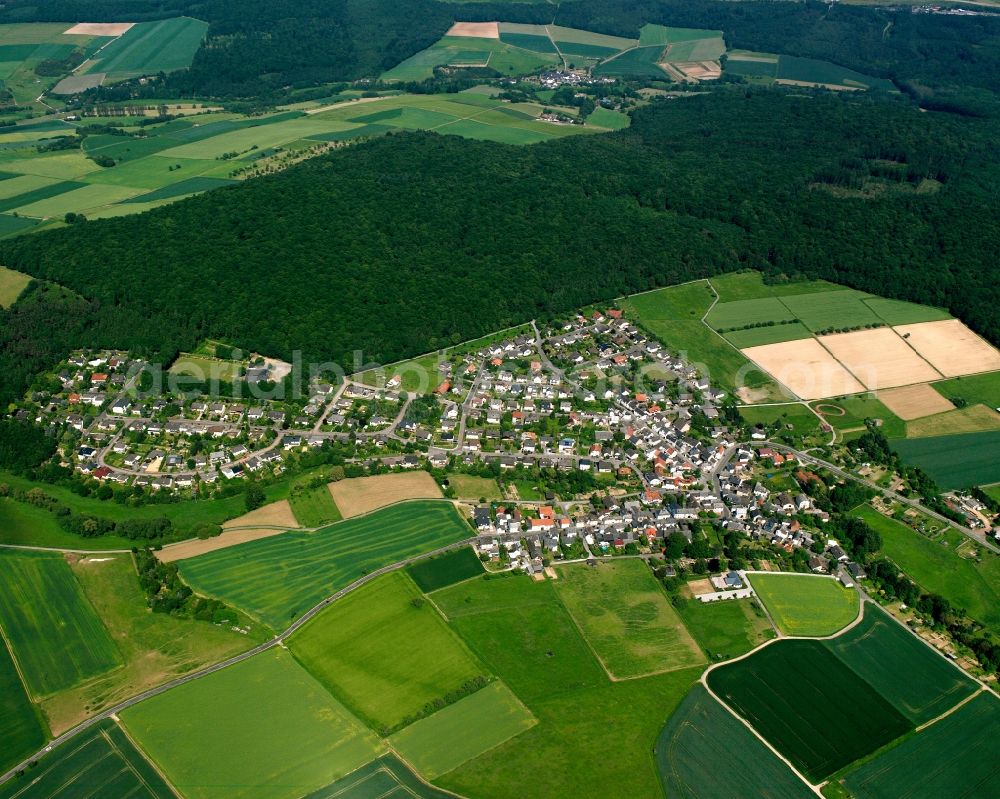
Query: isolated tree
x: 254, y: 497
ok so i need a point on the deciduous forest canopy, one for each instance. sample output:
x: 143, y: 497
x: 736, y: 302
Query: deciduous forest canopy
x: 415, y: 241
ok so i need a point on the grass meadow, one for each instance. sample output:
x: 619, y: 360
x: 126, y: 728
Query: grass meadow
x: 276, y: 579
x: 857, y: 409
x: 462, y: 731
x: 439, y: 572
x: 625, y: 617
x: 314, y: 506
x: 806, y: 605
x: 520, y: 630
x: 974, y: 389
x: 263, y: 727
x: 25, y: 524
x: 99, y: 762
x: 11, y: 285
x: 955, y: 461
x: 750, y: 285
x: 936, y: 567
x: 809, y: 705
x: 953, y: 757
x: 384, y: 652
x: 920, y: 683
x: 21, y: 728
x: 468, y: 486
x: 725, y: 629
x: 700, y: 735
x: 973, y: 419
x: 56, y: 636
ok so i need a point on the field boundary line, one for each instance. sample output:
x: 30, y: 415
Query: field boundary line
x: 936, y: 719
x: 20, y: 674
x: 415, y: 773
x: 142, y: 753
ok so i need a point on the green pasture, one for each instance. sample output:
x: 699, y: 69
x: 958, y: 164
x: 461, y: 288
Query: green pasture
x: 809, y: 705
x: 207, y: 368
x: 804, y: 604
x: 897, y: 312
x: 263, y: 727
x: 699, y: 736
x: 385, y: 777
x: 935, y: 566
x: 11, y: 285
x: 625, y: 617
x: 953, y: 757
x: 606, y: 118
x: 21, y: 727
x: 748, y: 312
x: 856, y: 409
x: 27, y: 525
x: 725, y: 629
x: 469, y: 486
x: 314, y: 506
x: 800, y: 419
x: 918, y: 681
x: 433, y: 574
x: 981, y: 389
x: 520, y: 629
x: 101, y: 761
x: 750, y: 285
x: 955, y: 461
x: 56, y: 637
x: 771, y: 334
x: 384, y: 652
x: 276, y: 579
x: 462, y: 731
x: 151, y: 47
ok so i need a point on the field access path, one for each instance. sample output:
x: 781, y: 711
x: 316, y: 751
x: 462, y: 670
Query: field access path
x: 278, y: 640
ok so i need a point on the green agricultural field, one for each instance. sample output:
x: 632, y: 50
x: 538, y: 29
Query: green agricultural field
x: 444, y: 570
x: 151, y: 47
x: 897, y: 312
x: 953, y: 757
x: 855, y: 410
x: 707, y: 48
x: 276, y: 579
x: 28, y: 525
x: 750, y: 285
x: 509, y: 55
x: 973, y: 419
x: 560, y: 755
x: 935, y: 566
x: 203, y: 368
x: 605, y: 118
x: 809, y: 70
x: 56, y: 637
x: 831, y: 309
x: 462, y: 731
x: 80, y: 199
x: 753, y: 67
x: 726, y: 629
x: 809, y: 705
x: 531, y: 42
x: 804, y: 604
x: 154, y: 647
x: 45, y: 192
x: 382, y: 655
x: 981, y: 389
x: 11, y: 285
x: 625, y: 617
x: 639, y: 62
x: 21, y: 728
x: 521, y: 630
x: 99, y: 762
x: 920, y: 683
x: 770, y: 334
x: 385, y: 777
x: 314, y: 506
x: 748, y: 312
x: 993, y: 491
x: 701, y: 735
x: 469, y: 486
x: 263, y: 727
x: 956, y: 461
x: 23, y: 46
x: 560, y: 34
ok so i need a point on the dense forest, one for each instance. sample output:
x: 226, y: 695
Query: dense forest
x: 268, y: 47
x: 414, y: 241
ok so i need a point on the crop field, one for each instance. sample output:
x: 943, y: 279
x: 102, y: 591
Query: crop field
x: 292, y: 737
x: 975, y: 389
x: 806, y: 368
x: 831, y: 309
x: 56, y: 637
x: 955, y: 461
x: 24, y: 46
x: 803, y: 604
x: 809, y: 705
x: 445, y: 570
x: 916, y: 680
x: 383, y: 656
x: 359, y: 495
x: 879, y: 358
x: 935, y: 566
x: 508, y: 54
x: 11, y: 285
x: 473, y: 725
x: 148, y: 48
x: 626, y: 619
x: 276, y: 579
x: 385, y: 777
x: 155, y: 647
x: 640, y: 62
x: 750, y: 285
x: 700, y: 735
x: 99, y: 762
x: 951, y: 348
x: 897, y: 312
x: 747, y: 312
x: 953, y: 757
x: 973, y: 419
x: 520, y: 629
x: 810, y: 71
x: 21, y: 728
x: 314, y: 506
x: 914, y: 402
x: 725, y: 629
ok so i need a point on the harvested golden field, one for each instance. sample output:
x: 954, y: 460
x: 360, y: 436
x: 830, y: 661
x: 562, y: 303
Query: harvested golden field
x: 879, y: 358
x: 475, y: 30
x: 806, y: 368
x: 951, y: 347
x: 199, y: 546
x: 360, y: 495
x: 274, y: 514
x: 914, y: 402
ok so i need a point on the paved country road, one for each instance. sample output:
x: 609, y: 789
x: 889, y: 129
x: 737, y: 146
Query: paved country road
x: 278, y: 640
